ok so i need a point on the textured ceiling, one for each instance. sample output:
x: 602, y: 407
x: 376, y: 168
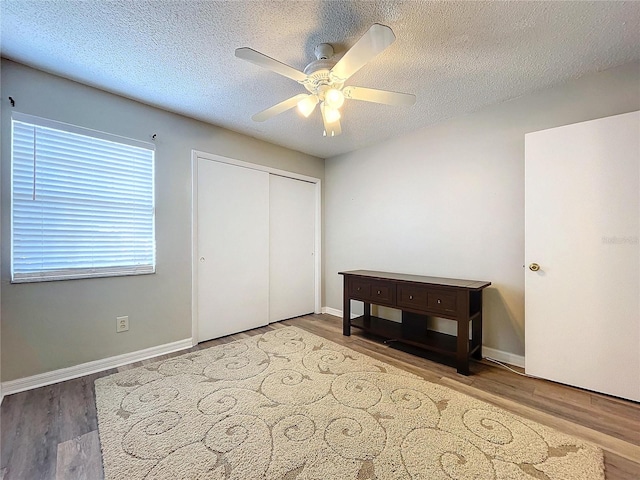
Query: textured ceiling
x: 454, y: 56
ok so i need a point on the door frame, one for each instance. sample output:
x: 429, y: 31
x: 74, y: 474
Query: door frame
x: 195, y: 155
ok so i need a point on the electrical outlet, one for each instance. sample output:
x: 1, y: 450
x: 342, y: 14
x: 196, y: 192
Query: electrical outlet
x: 122, y: 324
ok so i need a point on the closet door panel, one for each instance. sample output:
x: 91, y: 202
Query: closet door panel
x: 292, y: 242
x: 233, y: 249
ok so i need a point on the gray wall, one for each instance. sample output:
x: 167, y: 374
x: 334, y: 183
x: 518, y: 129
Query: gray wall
x: 52, y: 325
x: 445, y: 200
x: 448, y: 200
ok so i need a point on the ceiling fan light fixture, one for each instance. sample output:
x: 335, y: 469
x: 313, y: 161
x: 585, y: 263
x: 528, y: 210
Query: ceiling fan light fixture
x: 331, y: 114
x: 334, y: 98
x: 307, y: 105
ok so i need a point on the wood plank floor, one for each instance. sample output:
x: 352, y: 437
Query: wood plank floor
x: 51, y: 432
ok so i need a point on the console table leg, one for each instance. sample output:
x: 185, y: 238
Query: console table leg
x: 367, y: 315
x: 462, y: 355
x: 346, y: 310
x: 476, y: 330
x: 462, y: 350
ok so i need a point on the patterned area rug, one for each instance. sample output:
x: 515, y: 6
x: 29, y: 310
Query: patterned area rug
x: 291, y: 405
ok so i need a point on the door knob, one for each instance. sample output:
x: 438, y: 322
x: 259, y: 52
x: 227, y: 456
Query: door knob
x: 534, y: 267
x: 201, y: 259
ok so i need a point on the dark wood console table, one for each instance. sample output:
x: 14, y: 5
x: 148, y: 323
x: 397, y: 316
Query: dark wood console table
x: 419, y: 297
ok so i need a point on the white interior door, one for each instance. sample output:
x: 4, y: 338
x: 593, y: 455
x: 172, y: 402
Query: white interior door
x: 292, y: 238
x: 582, y: 226
x: 233, y: 249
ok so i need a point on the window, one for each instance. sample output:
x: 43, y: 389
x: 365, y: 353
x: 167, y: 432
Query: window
x: 82, y: 203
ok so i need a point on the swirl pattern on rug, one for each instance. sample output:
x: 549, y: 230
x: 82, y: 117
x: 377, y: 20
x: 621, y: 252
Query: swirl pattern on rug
x: 291, y: 405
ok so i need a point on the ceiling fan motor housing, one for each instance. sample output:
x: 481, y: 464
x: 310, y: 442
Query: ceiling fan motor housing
x: 318, y: 72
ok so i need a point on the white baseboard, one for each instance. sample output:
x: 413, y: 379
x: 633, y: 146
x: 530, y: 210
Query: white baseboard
x: 332, y: 311
x: 338, y: 313
x: 55, y: 376
x: 505, y: 357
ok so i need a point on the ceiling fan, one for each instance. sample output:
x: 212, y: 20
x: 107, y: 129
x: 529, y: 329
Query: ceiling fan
x: 324, y: 78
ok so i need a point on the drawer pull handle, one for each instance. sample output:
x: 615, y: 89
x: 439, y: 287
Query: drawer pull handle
x: 378, y: 292
x: 439, y: 301
x: 358, y: 288
x: 410, y: 297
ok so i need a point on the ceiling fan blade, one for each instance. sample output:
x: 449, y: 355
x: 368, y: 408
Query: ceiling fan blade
x: 332, y: 129
x: 377, y: 38
x: 379, y: 96
x: 269, y: 63
x: 278, y: 108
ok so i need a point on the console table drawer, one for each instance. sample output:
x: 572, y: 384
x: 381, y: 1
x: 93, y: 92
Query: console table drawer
x: 374, y: 291
x: 443, y: 301
x: 360, y: 289
x: 383, y: 293
x: 412, y: 296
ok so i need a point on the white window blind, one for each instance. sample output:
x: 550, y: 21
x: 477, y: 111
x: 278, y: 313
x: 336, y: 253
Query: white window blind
x: 82, y: 203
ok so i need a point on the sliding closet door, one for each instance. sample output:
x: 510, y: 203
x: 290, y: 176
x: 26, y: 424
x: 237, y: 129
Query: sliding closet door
x: 292, y: 238
x: 233, y: 249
